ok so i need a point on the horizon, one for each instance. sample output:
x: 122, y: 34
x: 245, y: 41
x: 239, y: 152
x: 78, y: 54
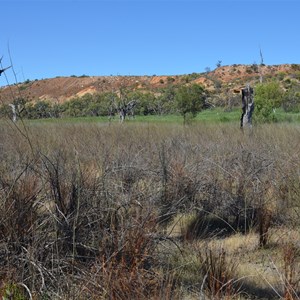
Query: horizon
x: 48, y: 39
x: 155, y: 75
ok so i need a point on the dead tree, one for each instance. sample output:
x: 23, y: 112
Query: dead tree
x: 16, y: 109
x: 130, y: 108
x: 122, y: 114
x: 127, y: 109
x: 14, y: 112
x: 261, y: 65
x: 247, y: 106
x: 4, y: 69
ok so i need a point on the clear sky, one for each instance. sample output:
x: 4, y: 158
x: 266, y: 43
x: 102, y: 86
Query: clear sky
x: 46, y: 39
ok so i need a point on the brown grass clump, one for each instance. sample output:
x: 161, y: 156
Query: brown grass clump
x: 219, y: 274
x: 124, y: 268
x: 291, y: 279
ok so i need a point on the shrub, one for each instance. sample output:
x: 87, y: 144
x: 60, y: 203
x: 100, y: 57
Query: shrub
x: 268, y: 97
x: 190, y: 100
x: 281, y: 76
x: 219, y: 274
x: 291, y: 278
x: 170, y: 79
x: 295, y: 67
x: 291, y: 100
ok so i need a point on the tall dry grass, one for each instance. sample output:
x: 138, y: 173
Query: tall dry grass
x: 85, y: 209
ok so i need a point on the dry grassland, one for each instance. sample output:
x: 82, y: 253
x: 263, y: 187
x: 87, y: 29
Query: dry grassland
x: 149, y: 211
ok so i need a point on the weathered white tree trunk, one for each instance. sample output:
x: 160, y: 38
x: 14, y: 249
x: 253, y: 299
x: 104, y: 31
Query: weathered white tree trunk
x: 14, y: 112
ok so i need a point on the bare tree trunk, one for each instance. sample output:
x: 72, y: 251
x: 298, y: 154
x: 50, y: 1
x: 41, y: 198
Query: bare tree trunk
x: 14, y: 112
x: 261, y: 65
x: 247, y: 107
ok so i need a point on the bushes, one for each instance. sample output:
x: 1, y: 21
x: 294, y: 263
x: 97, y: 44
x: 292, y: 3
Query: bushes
x: 291, y: 100
x: 268, y: 97
x: 159, y: 102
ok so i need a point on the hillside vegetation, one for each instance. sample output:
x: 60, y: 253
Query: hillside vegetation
x: 97, y: 96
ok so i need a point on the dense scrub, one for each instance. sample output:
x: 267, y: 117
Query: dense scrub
x: 126, y: 211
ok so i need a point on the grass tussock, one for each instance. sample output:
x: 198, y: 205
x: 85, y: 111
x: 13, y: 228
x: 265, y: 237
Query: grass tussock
x: 149, y: 211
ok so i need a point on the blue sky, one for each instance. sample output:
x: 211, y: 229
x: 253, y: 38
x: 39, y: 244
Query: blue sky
x: 46, y: 39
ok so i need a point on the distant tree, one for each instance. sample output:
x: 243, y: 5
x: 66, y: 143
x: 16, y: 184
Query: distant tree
x: 42, y: 109
x: 261, y: 58
x: 55, y: 110
x: 219, y: 63
x: 77, y: 107
x: 207, y: 69
x: 190, y: 100
x: 254, y: 67
x: 165, y: 101
x: 170, y: 79
x: 217, y: 84
x: 94, y: 107
x: 146, y: 102
x: 5, y: 110
x: 111, y: 103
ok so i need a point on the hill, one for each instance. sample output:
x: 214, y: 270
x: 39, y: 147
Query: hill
x: 225, y: 79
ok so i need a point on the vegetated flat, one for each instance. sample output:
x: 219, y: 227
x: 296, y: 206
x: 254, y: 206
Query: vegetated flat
x: 157, y: 200
x: 209, y: 116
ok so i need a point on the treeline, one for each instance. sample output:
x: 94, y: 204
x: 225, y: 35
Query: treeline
x: 165, y: 101
x: 186, y: 99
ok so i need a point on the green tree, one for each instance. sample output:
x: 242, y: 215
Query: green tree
x: 190, y: 100
x: 268, y: 97
x: 42, y: 109
x: 5, y: 110
x: 76, y: 107
x: 110, y: 103
x: 165, y: 101
x: 146, y: 102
